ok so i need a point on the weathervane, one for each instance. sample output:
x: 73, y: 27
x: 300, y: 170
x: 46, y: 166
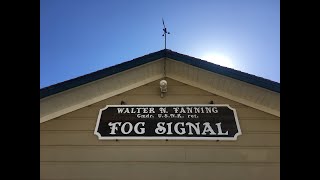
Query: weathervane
x: 165, y: 34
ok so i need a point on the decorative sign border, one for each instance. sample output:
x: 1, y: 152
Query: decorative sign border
x: 168, y: 137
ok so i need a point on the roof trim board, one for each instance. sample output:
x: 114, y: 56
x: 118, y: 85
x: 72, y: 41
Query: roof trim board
x: 165, y: 53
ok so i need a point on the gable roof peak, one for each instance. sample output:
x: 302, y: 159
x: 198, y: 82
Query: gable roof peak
x: 164, y: 53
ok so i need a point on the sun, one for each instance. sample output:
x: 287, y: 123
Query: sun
x: 219, y: 59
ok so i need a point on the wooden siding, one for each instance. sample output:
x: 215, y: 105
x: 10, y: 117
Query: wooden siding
x: 79, y: 97
x: 251, y: 95
x: 157, y: 171
x: 70, y: 150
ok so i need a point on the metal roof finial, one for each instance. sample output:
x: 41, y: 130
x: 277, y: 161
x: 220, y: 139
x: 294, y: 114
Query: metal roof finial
x: 165, y: 32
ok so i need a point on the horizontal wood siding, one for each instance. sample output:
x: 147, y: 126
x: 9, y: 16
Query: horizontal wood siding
x: 70, y: 150
x: 158, y: 171
x: 158, y: 154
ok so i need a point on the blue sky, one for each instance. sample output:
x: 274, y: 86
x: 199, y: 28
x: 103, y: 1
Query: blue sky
x: 78, y: 37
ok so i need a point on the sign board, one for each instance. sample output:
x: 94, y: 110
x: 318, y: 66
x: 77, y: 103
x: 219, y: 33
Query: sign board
x: 184, y: 122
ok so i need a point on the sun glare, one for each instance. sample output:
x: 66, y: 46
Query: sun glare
x: 219, y: 59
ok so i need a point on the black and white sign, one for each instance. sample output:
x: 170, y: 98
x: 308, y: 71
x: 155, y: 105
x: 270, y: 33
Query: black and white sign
x: 185, y: 122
